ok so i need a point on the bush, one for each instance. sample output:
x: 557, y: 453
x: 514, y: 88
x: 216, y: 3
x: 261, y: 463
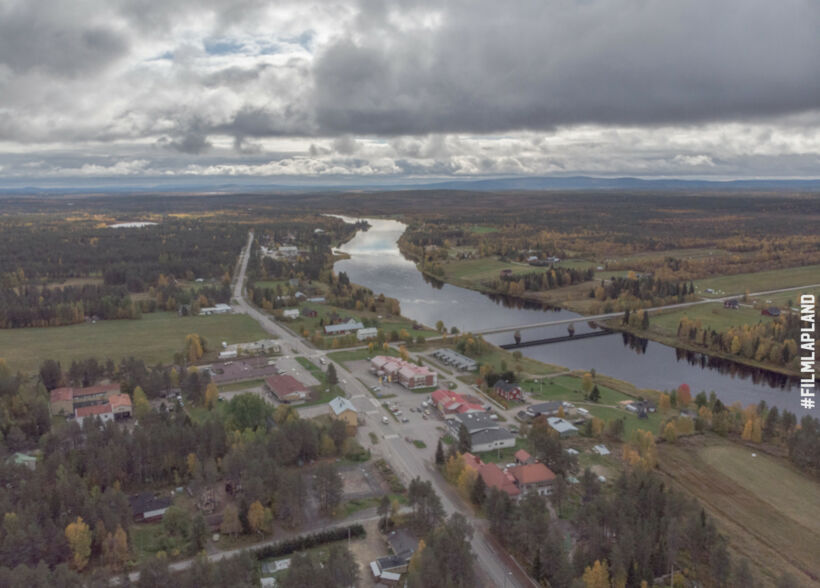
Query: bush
x: 303, y: 542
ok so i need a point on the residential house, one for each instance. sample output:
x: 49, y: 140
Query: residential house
x: 118, y: 407
x: 287, y: 389
x: 65, y: 400
x: 771, y: 311
x: 485, y: 432
x: 343, y: 410
x: 547, y: 409
x: 147, y: 507
x: 495, y: 477
x: 403, y: 545
x: 533, y: 477
x: 291, y: 313
x: 522, y: 457
x: 455, y: 359
x: 62, y: 401
x: 508, y: 390
x: 601, y: 449
x: 506, y: 273
x: 733, y: 304
x: 309, y: 312
x: 317, y: 299
x: 562, y: 427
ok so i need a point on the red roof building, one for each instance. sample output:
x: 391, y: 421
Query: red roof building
x: 493, y: 476
x: 287, y: 388
x: 65, y: 400
x: 449, y: 402
x: 533, y: 477
x: 522, y: 457
x: 407, y: 374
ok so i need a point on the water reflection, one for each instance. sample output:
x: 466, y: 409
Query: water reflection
x: 376, y: 263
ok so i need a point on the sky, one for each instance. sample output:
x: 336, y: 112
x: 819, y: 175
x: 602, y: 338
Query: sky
x: 412, y: 90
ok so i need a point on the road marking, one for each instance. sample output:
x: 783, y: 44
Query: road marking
x: 374, y: 402
x: 393, y: 436
x: 357, y: 396
x: 373, y: 412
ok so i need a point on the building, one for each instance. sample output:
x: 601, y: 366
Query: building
x: 771, y: 311
x: 547, y: 409
x: 485, y: 432
x: 493, y: 476
x: 733, y: 304
x: 533, y: 477
x: 409, y: 375
x: 319, y: 299
x: 343, y: 410
x: 218, y: 309
x: 147, y: 507
x: 64, y: 401
x: 288, y: 251
x: 287, y: 389
x: 23, y: 459
x: 343, y: 328
x: 367, y: 333
x: 455, y: 359
x: 523, y: 457
x: 291, y: 313
x: 403, y: 545
x: 118, y: 407
x: 601, y: 449
x: 228, y: 354
x: 562, y: 427
x: 508, y: 390
x: 449, y: 402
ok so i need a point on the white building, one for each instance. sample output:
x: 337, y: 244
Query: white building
x: 291, y: 313
x: 218, y: 309
x: 368, y: 333
x: 229, y: 354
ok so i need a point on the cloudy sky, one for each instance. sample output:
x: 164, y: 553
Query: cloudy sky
x: 279, y: 91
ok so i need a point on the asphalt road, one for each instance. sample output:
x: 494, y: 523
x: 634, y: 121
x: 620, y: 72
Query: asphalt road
x: 495, y: 568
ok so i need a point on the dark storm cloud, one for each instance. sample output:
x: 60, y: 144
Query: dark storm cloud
x: 494, y: 67
x: 60, y: 42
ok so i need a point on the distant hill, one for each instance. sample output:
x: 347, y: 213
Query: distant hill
x: 236, y: 185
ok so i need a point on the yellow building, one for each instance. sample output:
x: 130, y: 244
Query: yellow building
x: 343, y: 409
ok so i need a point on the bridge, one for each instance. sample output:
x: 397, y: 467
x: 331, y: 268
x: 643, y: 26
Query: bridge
x: 549, y: 340
x: 611, y: 315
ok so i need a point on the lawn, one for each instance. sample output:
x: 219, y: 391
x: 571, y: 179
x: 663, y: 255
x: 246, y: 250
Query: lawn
x: 631, y: 421
x: 712, y: 316
x: 146, y: 539
x: 154, y: 338
x: 506, y: 455
x: 569, y: 388
x: 324, y: 393
x: 761, y: 281
x: 496, y: 355
x: 359, y: 354
x: 481, y: 230
x: 766, y: 507
x: 238, y: 386
x: 484, y: 268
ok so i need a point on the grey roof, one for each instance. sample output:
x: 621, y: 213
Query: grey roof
x: 561, y: 425
x: 544, y: 407
x: 475, y: 421
x: 403, y: 543
x: 350, y: 325
x: 338, y: 405
x: 491, y: 435
x: 454, y: 358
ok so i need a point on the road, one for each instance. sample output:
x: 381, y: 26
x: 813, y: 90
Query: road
x: 495, y: 569
x: 610, y: 315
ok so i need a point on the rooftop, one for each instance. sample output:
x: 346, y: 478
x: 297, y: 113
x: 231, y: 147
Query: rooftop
x: 561, y: 425
x: 339, y: 405
x: 285, y: 385
x: 533, y: 473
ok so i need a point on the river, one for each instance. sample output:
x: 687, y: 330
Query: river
x: 376, y: 263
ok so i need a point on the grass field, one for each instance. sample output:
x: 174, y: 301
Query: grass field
x: 768, y: 509
x: 359, y: 354
x: 761, y: 281
x: 713, y: 316
x: 154, y: 338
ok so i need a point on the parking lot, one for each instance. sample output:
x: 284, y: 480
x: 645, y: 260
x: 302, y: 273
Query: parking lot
x: 243, y: 369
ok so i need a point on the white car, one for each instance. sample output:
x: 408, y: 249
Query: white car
x: 384, y: 420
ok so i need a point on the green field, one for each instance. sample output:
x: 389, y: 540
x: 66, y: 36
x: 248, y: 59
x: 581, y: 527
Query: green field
x: 761, y: 281
x: 481, y: 230
x: 154, y: 338
x: 713, y: 316
x: 359, y: 354
x: 767, y: 508
x: 485, y: 268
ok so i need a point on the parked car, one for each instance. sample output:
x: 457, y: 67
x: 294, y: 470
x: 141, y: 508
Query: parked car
x: 384, y: 420
x: 405, y: 420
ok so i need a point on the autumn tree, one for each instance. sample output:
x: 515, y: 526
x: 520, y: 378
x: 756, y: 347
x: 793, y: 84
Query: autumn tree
x: 211, y: 395
x: 141, y: 405
x: 257, y: 518
x: 78, y: 535
x: 597, y: 575
x: 193, y: 348
x: 230, y: 520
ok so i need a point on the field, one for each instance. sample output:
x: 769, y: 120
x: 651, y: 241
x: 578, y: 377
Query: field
x: 713, y: 316
x: 154, y: 338
x: 761, y: 281
x: 768, y: 509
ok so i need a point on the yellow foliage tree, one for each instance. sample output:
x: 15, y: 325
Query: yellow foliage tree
x: 670, y: 433
x: 193, y: 347
x: 326, y: 446
x: 115, y: 549
x: 453, y: 468
x: 141, y: 405
x: 746, y: 435
x: 664, y: 403
x: 211, y: 395
x: 79, y: 540
x: 596, y: 576
x: 193, y: 464
x: 256, y: 517
x: 466, y: 481
x: 757, y: 431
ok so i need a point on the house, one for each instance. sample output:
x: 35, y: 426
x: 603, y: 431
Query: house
x: 309, y: 312
x: 342, y: 328
x: 533, y: 477
x: 506, y: 273
x: 523, y: 457
x: 409, y: 375
x: 368, y: 333
x: 23, y: 459
x: 532, y: 259
x: 343, y: 410
x: 562, y: 427
x: 147, y: 507
x: 317, y: 299
x: 449, y: 402
x: 454, y: 358
x: 733, y: 304
x: 291, y: 313
x: 228, y: 354
x: 403, y: 545
x: 771, y: 311
x: 485, y: 432
x: 547, y: 409
x: 508, y: 390
x: 495, y: 477
x: 118, y: 407
x: 65, y: 400
x: 287, y: 389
